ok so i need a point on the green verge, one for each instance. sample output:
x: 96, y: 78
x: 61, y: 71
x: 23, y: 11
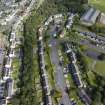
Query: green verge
x: 99, y: 4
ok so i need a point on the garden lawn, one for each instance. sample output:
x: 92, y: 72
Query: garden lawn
x: 99, y: 4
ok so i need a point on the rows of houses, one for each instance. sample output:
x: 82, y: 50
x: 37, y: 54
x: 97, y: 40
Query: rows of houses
x: 74, y: 70
x: 2, y: 83
x: 56, y: 18
x: 44, y: 77
x: 7, y: 79
x: 70, y: 21
x: 99, y: 40
x: 93, y: 36
x: 73, y: 66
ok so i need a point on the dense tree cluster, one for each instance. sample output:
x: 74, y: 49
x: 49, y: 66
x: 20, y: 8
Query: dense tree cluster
x: 74, y: 5
x: 82, y: 62
x: 98, y: 92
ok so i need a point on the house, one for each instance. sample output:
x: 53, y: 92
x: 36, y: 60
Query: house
x: 58, y: 16
x: 13, y: 45
x: 89, y: 17
x: 67, y: 48
x: 50, y: 19
x: 12, y: 38
x: 9, y: 88
x: 12, y: 54
x: 102, y: 18
x: 75, y: 74
x: 62, y: 34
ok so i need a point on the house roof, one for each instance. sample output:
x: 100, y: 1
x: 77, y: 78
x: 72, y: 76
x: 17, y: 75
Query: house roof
x: 90, y: 15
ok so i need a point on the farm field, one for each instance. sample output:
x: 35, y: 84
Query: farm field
x: 99, y: 4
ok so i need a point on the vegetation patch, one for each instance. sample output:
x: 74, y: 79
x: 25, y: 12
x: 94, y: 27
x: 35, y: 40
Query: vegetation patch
x: 99, y: 4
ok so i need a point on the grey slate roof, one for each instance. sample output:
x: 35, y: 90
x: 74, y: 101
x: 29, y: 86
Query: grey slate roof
x: 90, y: 16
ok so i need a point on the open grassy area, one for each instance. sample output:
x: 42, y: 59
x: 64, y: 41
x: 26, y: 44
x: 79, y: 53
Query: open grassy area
x: 93, y: 64
x: 96, y: 65
x: 15, y: 73
x: 50, y: 67
x: 99, y: 4
x: 100, y: 68
x: 91, y: 78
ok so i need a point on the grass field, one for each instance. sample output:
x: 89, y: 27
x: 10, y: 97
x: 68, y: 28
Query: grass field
x: 99, y: 66
x: 95, y: 65
x: 99, y: 4
x: 91, y: 78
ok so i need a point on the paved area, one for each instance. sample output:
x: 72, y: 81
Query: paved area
x: 60, y: 80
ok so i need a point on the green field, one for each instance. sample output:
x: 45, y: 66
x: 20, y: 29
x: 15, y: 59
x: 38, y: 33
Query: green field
x: 99, y: 66
x: 95, y: 65
x: 99, y: 4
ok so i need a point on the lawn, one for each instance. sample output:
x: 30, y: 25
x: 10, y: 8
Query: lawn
x: 91, y: 78
x: 100, y: 68
x: 95, y: 65
x: 99, y: 4
x: 15, y: 73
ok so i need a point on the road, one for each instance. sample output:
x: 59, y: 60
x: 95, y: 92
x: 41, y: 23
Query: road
x: 60, y: 80
x: 55, y: 60
x: 87, y: 43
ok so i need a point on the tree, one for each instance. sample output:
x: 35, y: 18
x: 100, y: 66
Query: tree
x: 101, y: 57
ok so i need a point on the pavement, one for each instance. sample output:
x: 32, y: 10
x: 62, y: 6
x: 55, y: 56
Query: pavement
x: 60, y: 80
